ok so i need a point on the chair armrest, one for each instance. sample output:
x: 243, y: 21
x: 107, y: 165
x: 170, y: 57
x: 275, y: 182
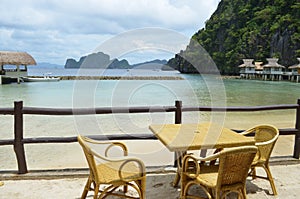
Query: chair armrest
x: 249, y: 131
x: 108, y: 159
x: 138, y: 162
x: 87, y: 139
x: 267, y: 142
x: 191, y: 158
x: 120, y: 144
x: 110, y: 145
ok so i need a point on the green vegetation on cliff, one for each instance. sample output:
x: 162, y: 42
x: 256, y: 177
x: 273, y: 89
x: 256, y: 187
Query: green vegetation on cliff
x: 241, y: 29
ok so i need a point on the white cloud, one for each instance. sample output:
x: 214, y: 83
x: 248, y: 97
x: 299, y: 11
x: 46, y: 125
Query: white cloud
x: 52, y: 30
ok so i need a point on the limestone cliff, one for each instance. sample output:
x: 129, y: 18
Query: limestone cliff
x: 240, y: 29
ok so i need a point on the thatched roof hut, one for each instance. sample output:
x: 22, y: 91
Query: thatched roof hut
x: 247, y: 63
x: 296, y: 65
x: 16, y: 58
x: 258, y: 65
x: 272, y: 63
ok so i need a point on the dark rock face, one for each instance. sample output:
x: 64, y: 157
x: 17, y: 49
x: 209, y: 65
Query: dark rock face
x: 281, y: 45
x: 102, y: 60
x: 96, y: 60
x: 71, y: 63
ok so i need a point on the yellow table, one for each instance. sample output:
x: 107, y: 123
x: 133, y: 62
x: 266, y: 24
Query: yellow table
x: 180, y: 138
x: 183, y: 137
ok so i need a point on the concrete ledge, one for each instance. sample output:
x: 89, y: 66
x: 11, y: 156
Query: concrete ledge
x: 283, y: 160
x: 83, y: 172
x: 69, y: 173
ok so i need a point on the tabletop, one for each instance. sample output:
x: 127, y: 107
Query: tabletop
x: 183, y: 137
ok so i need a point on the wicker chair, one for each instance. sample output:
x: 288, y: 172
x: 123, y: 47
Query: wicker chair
x: 265, y: 139
x: 178, y: 156
x: 112, y: 173
x: 229, y: 175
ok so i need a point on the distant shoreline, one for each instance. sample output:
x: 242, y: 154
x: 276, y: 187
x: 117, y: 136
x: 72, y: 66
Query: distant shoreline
x: 116, y: 77
x: 120, y: 77
x: 229, y: 77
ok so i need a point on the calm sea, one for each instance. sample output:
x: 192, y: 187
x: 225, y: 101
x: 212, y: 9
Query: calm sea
x: 194, y: 90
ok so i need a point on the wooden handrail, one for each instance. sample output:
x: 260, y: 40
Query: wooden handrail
x: 91, y: 111
x: 241, y: 109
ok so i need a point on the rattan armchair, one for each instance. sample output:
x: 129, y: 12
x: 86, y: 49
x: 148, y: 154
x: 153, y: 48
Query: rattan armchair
x: 179, y: 155
x: 229, y: 175
x: 106, y: 177
x: 265, y: 139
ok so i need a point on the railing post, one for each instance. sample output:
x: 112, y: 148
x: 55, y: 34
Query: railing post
x: 297, y: 136
x: 178, y: 112
x: 178, y: 120
x: 18, y: 141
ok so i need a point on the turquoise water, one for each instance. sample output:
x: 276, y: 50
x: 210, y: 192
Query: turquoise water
x: 195, y: 90
x: 241, y: 92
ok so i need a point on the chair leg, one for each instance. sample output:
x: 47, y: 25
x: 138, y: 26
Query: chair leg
x: 244, y: 193
x: 184, y: 190
x: 184, y: 187
x: 253, y: 173
x: 176, y: 180
x: 142, y: 187
x: 270, y: 178
x: 96, y: 191
x: 125, y: 189
x: 86, y: 188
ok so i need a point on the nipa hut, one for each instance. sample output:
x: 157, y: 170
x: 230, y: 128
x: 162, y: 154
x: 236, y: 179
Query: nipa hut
x: 272, y: 70
x: 18, y: 59
x: 295, y: 71
x: 247, y: 69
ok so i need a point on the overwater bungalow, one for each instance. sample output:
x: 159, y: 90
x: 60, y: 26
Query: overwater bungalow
x: 272, y: 70
x: 247, y: 69
x: 295, y: 70
x: 258, y: 70
x: 13, y: 65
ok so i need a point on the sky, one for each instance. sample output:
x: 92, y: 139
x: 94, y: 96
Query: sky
x: 55, y: 30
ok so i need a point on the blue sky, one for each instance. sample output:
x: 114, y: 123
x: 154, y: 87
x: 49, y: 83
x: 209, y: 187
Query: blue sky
x: 54, y: 30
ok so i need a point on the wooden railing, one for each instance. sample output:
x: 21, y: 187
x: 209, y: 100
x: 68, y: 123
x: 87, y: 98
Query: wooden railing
x: 18, y: 111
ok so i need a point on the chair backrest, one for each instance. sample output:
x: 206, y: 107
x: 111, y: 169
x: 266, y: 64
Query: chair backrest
x: 89, y: 156
x: 234, y: 165
x: 265, y: 138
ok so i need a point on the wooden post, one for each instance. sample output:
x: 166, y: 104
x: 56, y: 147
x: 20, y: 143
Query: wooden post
x: 18, y: 141
x: 18, y: 74
x: 297, y: 136
x: 178, y: 112
x: 178, y: 120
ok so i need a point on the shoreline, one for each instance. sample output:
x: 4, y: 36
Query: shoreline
x: 115, y: 77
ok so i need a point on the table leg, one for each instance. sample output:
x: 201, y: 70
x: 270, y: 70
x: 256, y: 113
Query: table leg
x: 178, y: 156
